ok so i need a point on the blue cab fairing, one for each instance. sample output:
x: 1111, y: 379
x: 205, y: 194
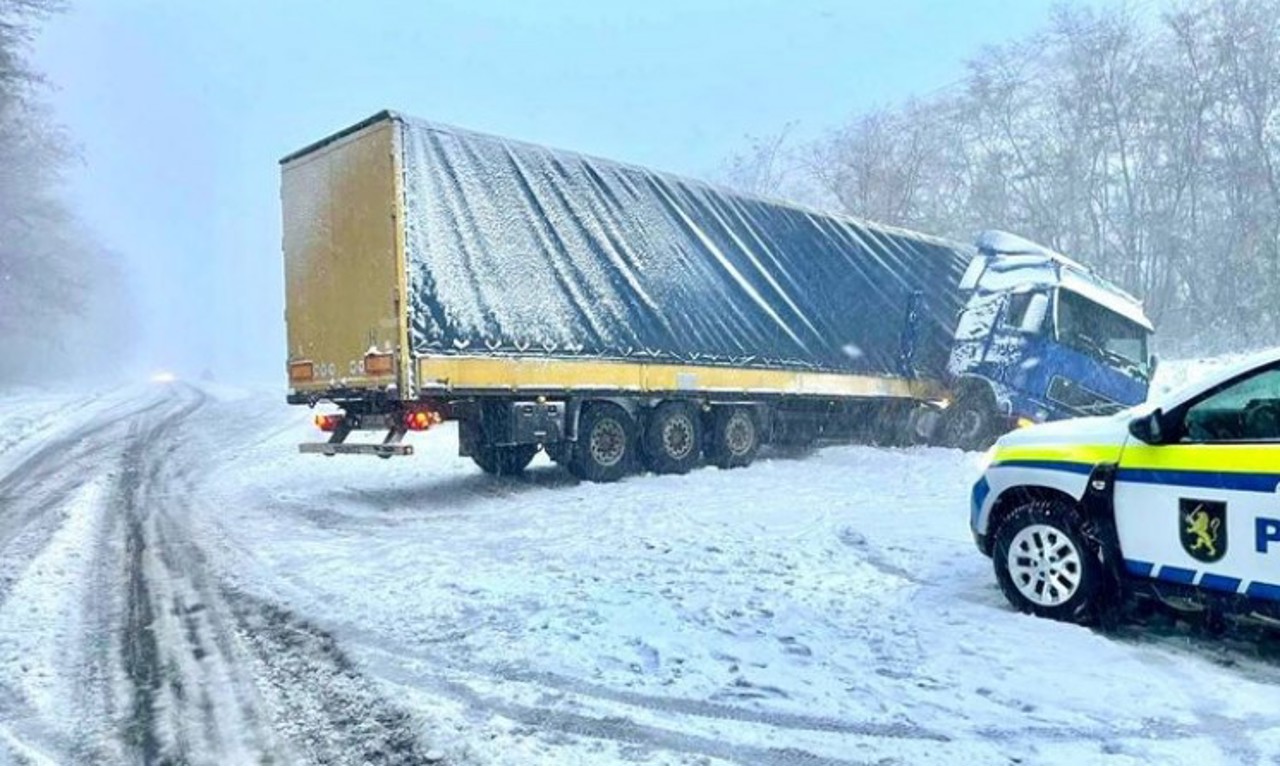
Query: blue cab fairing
x: 1028, y: 329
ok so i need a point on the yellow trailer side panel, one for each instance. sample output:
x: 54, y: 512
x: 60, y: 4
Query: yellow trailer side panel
x: 477, y: 373
x: 344, y: 263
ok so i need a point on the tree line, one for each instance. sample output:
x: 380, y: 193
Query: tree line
x: 1148, y: 148
x: 61, y: 304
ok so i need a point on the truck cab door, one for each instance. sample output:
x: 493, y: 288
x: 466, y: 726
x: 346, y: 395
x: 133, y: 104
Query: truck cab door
x: 1202, y: 508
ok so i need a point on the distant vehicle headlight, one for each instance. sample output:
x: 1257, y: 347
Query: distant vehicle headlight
x: 164, y: 376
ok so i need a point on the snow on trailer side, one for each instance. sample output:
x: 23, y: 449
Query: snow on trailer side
x: 517, y: 250
x: 426, y: 241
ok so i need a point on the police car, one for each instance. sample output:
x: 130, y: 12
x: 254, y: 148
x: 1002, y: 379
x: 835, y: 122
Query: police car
x: 1179, y: 499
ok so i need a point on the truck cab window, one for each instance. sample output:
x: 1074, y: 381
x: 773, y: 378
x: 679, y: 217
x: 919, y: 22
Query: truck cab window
x: 1099, y: 332
x: 1017, y: 311
x: 1026, y: 312
x: 1245, y: 411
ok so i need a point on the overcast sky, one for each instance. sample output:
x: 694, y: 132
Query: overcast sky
x: 182, y: 110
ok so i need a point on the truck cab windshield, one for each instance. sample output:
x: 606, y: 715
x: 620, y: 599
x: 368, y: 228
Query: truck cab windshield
x: 1092, y: 329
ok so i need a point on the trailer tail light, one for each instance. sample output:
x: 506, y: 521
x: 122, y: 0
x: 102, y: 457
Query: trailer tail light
x: 329, y: 423
x: 300, y: 372
x: 379, y: 364
x: 421, y: 420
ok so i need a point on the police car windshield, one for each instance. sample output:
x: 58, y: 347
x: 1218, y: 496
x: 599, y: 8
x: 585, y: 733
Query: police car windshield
x: 1100, y: 332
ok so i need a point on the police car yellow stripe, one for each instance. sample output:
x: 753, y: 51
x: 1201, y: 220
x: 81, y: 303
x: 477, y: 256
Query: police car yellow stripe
x: 1069, y: 456
x: 1230, y: 458
x: 1225, y: 458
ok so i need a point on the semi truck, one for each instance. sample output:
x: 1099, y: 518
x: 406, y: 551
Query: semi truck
x: 620, y: 318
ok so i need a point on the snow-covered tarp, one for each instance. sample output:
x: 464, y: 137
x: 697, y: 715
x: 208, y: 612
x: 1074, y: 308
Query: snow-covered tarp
x: 516, y: 248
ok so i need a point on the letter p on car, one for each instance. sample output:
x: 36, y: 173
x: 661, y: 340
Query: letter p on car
x: 1268, y: 532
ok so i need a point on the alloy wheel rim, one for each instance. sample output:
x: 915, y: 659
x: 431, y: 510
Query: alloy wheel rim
x: 1044, y: 564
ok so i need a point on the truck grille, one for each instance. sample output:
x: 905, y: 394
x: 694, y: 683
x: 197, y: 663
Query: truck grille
x: 1079, y: 399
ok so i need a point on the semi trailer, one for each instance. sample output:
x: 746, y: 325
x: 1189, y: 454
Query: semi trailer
x: 621, y: 318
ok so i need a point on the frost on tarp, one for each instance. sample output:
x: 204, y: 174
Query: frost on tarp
x: 515, y: 248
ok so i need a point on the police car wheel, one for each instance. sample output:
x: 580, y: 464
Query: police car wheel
x: 1044, y: 563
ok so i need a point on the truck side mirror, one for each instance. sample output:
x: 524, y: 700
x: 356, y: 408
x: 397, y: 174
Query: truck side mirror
x: 1151, y: 366
x: 1149, y: 428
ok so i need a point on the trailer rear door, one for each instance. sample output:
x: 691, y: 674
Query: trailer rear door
x: 344, y: 260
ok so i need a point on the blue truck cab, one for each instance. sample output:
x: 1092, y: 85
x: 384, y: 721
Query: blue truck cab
x: 1040, y: 338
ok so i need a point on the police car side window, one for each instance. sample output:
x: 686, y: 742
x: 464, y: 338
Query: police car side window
x: 1245, y: 411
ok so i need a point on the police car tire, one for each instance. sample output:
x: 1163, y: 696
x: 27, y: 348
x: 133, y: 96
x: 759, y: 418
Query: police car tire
x: 1082, y: 606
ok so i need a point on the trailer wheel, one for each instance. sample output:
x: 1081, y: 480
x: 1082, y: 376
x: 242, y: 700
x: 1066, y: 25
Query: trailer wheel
x: 606, y: 443
x: 735, y: 437
x: 504, y: 461
x: 673, y: 439
x: 1046, y: 565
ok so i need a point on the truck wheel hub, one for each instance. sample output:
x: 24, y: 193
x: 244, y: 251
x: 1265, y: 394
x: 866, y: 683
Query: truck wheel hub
x: 608, y: 442
x: 740, y: 434
x: 677, y: 437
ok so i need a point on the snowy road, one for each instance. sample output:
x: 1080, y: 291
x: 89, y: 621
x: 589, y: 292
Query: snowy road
x: 178, y: 585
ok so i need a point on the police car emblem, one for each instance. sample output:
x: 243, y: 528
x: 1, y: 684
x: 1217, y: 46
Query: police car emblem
x: 1204, y: 528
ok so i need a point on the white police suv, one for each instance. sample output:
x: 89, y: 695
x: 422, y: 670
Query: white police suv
x: 1179, y: 499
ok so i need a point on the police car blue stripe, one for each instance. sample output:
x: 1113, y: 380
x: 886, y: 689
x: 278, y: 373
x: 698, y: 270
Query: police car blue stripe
x: 1176, y: 574
x: 980, y: 492
x: 1139, y: 568
x: 1263, y: 590
x: 1209, y: 581
x: 1218, y: 582
x: 1048, y: 465
x: 1245, y: 482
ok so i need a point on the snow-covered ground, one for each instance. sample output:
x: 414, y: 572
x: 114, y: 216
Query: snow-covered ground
x: 178, y: 582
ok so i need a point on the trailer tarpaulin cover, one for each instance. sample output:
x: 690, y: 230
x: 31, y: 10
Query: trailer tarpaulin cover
x: 518, y: 249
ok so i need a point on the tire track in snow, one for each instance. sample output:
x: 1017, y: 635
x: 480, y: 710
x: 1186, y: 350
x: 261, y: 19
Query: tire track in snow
x: 219, y: 675
x: 164, y: 664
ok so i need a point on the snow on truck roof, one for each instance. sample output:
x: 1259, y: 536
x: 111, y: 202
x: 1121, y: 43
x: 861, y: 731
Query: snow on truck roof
x: 388, y: 114
x: 1031, y: 263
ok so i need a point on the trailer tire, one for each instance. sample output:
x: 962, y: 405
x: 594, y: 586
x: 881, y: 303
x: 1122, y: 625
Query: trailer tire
x: 606, y: 445
x: 673, y: 439
x: 735, y: 437
x: 505, y: 461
